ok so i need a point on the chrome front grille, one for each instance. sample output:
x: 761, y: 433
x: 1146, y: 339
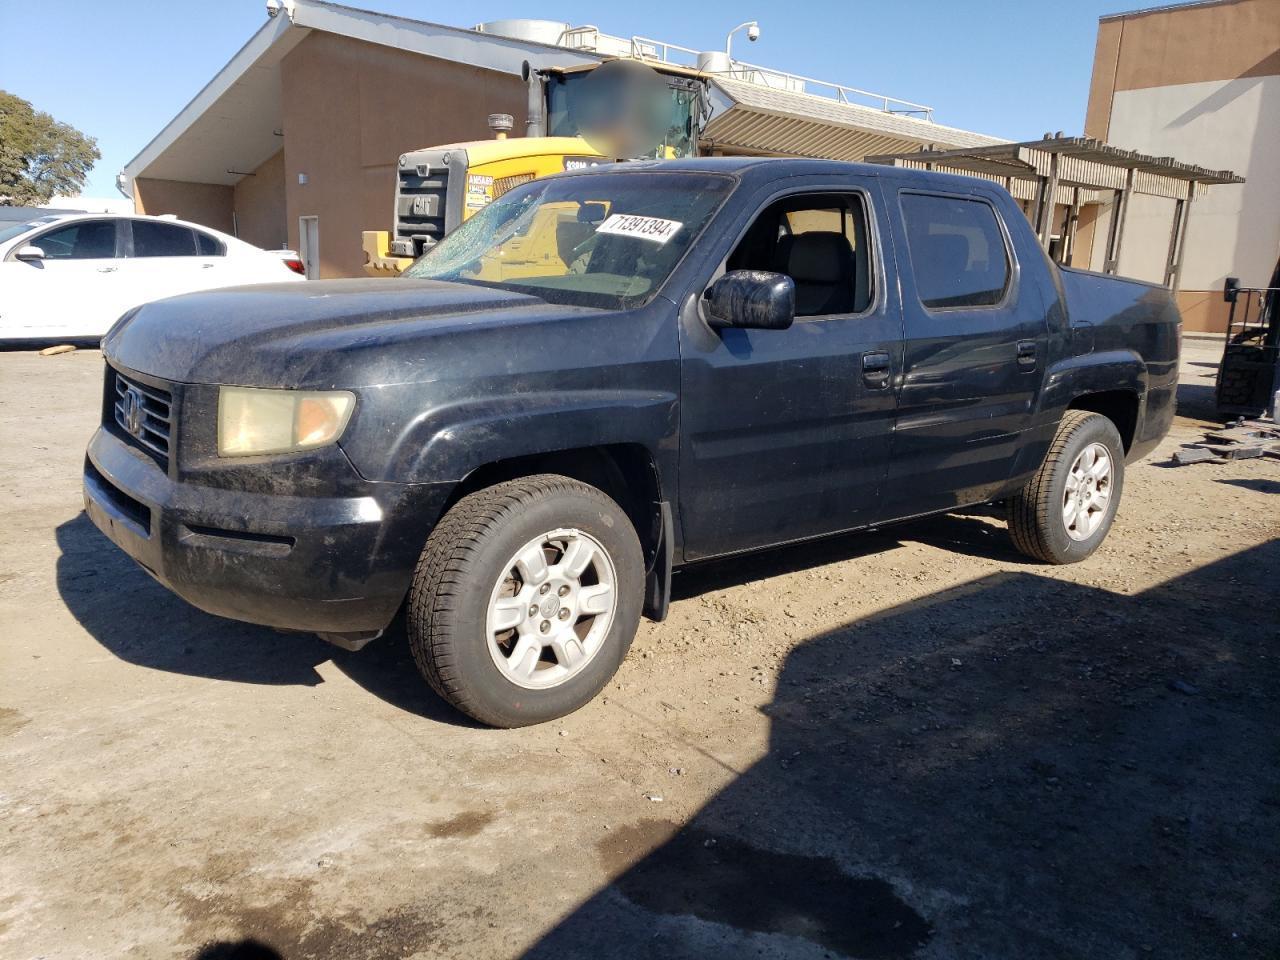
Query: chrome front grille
x: 144, y: 416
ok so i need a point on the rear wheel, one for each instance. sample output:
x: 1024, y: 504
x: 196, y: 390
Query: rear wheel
x: 526, y: 599
x: 1065, y: 510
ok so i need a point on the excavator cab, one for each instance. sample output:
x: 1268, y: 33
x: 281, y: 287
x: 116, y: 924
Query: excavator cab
x: 620, y: 109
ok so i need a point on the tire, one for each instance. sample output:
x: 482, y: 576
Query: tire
x: 1038, y: 513
x: 470, y: 577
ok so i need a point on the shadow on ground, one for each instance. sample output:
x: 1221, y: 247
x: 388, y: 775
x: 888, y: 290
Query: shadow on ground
x: 1021, y: 767
x: 1018, y: 768
x: 1259, y: 484
x: 141, y: 622
x: 1197, y: 400
x: 967, y: 534
x: 237, y: 950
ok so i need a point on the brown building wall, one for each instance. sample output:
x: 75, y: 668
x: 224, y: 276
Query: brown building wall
x: 1102, y: 88
x: 207, y: 203
x: 350, y: 109
x: 1203, y: 311
x: 1212, y: 41
x: 1086, y: 230
x: 259, y: 204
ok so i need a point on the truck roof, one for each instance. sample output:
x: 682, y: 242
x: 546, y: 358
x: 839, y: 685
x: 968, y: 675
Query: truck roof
x: 768, y: 168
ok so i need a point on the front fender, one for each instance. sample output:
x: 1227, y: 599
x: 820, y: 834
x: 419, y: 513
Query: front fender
x: 448, y: 442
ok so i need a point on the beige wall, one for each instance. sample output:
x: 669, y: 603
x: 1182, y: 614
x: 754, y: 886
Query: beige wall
x: 350, y: 109
x: 1221, y: 124
x: 259, y: 203
x: 207, y: 203
x: 1200, y: 83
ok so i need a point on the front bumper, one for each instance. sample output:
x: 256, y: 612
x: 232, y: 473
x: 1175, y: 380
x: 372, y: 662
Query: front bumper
x: 338, y: 565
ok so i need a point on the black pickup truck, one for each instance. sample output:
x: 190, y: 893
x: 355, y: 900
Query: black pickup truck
x: 609, y: 374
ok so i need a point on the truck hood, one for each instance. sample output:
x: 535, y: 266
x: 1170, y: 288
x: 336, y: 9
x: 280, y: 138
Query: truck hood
x: 304, y: 334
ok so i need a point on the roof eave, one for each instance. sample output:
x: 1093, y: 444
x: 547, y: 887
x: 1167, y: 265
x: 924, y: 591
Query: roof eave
x: 257, y: 47
x: 281, y: 33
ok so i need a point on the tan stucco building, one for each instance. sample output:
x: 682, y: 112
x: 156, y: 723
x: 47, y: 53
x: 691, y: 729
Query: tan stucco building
x: 1200, y: 82
x: 310, y: 116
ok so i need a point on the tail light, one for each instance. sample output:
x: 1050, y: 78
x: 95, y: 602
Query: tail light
x: 295, y: 264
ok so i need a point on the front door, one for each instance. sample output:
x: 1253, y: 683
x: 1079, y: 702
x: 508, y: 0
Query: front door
x: 785, y: 433
x: 73, y: 292
x: 974, y: 352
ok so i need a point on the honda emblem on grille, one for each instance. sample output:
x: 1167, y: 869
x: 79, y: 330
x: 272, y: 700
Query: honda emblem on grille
x: 131, y: 411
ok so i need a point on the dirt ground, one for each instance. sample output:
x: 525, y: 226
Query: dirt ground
x: 911, y: 743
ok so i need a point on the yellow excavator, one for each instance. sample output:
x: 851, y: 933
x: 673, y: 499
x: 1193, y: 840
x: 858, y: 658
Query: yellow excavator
x: 440, y: 187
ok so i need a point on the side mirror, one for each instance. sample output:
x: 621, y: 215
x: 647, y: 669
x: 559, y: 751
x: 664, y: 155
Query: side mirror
x: 751, y: 300
x: 1231, y: 289
x: 29, y: 252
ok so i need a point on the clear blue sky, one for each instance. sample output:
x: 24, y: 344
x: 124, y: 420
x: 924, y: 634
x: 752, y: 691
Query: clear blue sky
x: 120, y: 69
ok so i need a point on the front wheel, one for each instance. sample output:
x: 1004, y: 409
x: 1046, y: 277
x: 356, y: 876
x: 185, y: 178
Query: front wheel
x: 526, y: 599
x: 1065, y: 510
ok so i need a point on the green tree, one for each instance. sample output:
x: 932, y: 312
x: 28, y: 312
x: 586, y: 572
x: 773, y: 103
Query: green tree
x: 40, y: 158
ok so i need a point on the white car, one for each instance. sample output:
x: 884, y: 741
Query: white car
x: 71, y: 276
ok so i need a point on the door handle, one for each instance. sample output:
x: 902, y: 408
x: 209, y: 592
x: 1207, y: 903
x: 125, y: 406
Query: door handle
x: 207, y: 266
x: 875, y: 369
x: 108, y: 269
x: 1027, y: 354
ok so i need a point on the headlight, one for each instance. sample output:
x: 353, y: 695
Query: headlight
x: 254, y: 421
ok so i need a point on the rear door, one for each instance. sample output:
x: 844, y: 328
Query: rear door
x: 974, y: 351
x: 785, y: 433
x: 163, y: 261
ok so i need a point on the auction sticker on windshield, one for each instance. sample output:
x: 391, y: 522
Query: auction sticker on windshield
x: 647, y: 228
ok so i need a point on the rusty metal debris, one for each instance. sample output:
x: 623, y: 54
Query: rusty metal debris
x: 1238, y: 440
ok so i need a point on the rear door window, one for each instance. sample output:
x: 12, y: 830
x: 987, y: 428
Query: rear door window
x: 81, y: 240
x: 958, y: 252
x: 155, y: 239
x: 209, y: 246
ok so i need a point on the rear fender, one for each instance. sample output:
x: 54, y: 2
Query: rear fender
x: 1069, y: 379
x: 1092, y: 373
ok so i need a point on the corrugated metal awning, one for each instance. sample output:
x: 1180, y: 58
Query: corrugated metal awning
x: 754, y: 118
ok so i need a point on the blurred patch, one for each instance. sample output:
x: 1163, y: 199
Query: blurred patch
x: 622, y: 109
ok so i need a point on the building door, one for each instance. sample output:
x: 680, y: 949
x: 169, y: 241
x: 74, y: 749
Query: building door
x: 309, y: 245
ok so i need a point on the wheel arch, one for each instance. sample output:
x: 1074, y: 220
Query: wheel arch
x: 1121, y: 407
x: 629, y: 473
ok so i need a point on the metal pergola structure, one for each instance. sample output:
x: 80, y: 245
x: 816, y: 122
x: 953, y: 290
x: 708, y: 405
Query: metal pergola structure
x: 1073, y: 172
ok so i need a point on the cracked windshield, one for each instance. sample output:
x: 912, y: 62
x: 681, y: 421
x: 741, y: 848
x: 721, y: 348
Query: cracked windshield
x: 593, y: 240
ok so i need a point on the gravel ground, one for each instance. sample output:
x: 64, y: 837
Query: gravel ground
x: 912, y: 743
